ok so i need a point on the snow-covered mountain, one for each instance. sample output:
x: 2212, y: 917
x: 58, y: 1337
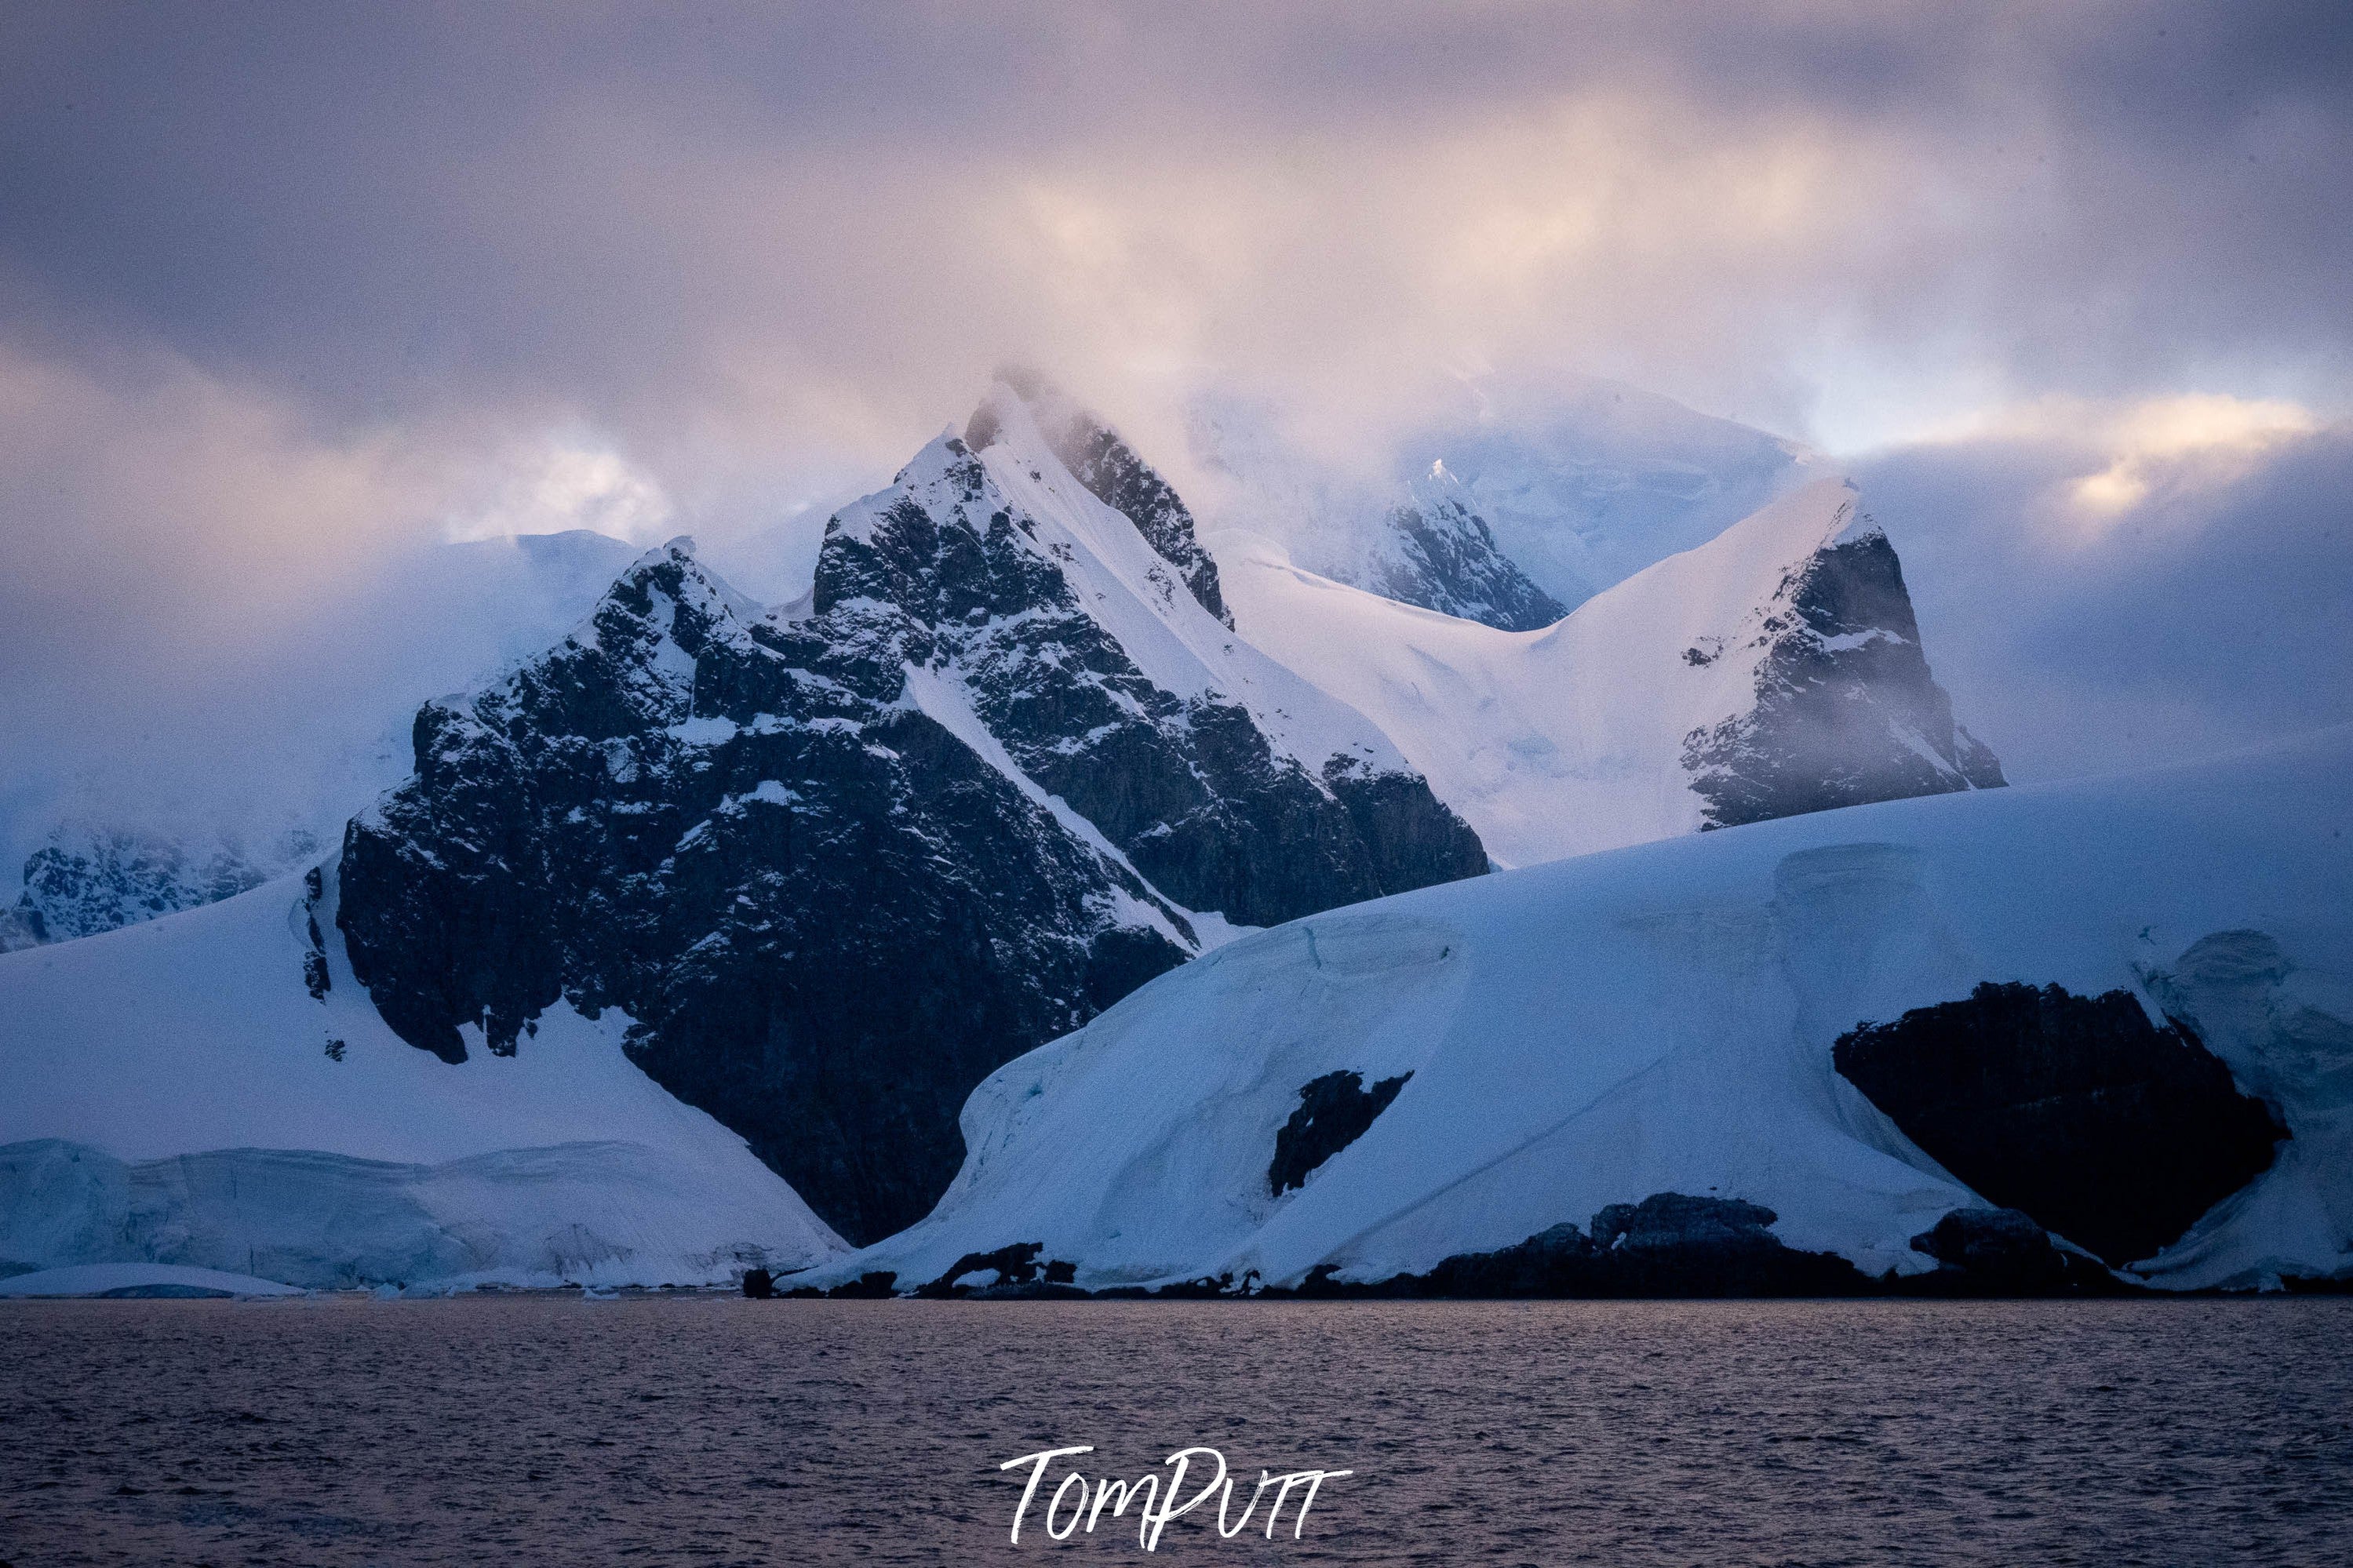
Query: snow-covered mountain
x: 1440, y: 555
x: 90, y: 880
x: 1416, y: 538
x: 1112, y: 472
x: 1799, y: 1054
x: 839, y: 859
x: 309, y: 722
x: 174, y: 1092
x: 1509, y: 504
x: 1775, y: 669
x: 1584, y: 481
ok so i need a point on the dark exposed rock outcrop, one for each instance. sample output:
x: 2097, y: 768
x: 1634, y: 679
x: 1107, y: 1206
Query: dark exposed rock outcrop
x: 1335, y: 1111
x: 1015, y: 1273
x: 2001, y: 1252
x: 1015, y: 1263
x: 2109, y: 1131
x: 1846, y: 711
x: 835, y: 868
x: 1442, y: 556
x: 1670, y: 1244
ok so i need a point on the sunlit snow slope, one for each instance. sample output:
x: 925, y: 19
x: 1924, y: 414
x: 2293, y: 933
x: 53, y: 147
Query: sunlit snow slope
x: 1580, y: 737
x: 171, y: 1092
x: 1661, y: 1019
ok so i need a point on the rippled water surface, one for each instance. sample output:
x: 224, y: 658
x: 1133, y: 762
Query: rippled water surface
x: 699, y: 1429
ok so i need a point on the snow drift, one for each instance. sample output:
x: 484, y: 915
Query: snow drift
x: 1663, y: 1020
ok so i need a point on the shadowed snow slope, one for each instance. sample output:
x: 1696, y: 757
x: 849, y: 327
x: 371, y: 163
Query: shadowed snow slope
x: 171, y: 1092
x: 1661, y: 1019
x: 1775, y: 669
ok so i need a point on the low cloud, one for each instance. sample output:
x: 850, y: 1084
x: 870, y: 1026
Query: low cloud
x: 553, y: 486
x: 756, y: 230
x: 292, y: 292
x: 2116, y: 593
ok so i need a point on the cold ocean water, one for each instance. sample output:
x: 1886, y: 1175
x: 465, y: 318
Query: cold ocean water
x: 707, y: 1430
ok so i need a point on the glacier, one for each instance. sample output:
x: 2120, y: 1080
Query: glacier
x: 1661, y: 1020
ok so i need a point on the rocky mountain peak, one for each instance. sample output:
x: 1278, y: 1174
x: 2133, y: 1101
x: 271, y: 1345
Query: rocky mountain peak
x: 1840, y: 706
x: 836, y: 864
x: 1421, y: 539
x: 1443, y: 557
x: 1111, y: 470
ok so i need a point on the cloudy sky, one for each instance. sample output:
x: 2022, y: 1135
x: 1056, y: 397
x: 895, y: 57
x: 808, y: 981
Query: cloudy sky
x: 287, y: 293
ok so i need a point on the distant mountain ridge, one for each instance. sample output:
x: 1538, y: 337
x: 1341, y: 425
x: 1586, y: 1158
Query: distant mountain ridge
x: 1443, y: 557
x: 175, y: 824
x: 709, y: 891
x: 90, y: 880
x: 1509, y: 504
x: 1417, y: 540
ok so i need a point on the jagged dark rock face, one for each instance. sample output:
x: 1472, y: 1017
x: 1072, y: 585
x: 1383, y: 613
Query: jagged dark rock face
x: 1335, y: 1111
x: 84, y: 883
x: 1115, y: 475
x: 826, y: 964
x: 1846, y: 711
x: 1020, y: 1274
x: 1670, y: 1244
x: 794, y: 853
x: 1444, y: 558
x: 1187, y: 788
x: 2109, y: 1132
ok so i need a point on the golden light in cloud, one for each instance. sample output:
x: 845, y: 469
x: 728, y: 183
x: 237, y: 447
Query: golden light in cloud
x: 566, y: 485
x: 2202, y: 439
x: 2213, y: 437
x: 1596, y: 231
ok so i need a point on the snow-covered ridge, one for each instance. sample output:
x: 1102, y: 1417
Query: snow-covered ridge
x: 1661, y: 1019
x: 1575, y: 738
x: 1123, y: 583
